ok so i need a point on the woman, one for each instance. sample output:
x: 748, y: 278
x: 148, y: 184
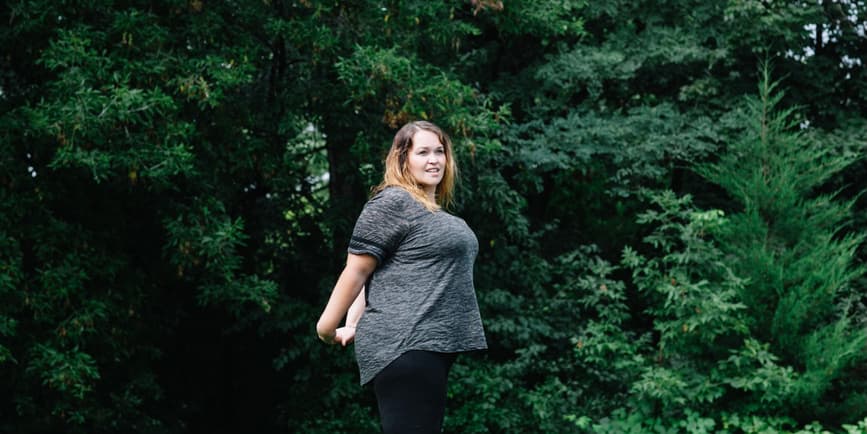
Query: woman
x: 408, y: 284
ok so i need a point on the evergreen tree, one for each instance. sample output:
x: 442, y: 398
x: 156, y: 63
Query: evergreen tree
x: 797, y: 253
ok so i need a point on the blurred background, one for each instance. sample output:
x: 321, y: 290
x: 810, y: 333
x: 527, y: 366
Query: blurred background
x: 668, y: 197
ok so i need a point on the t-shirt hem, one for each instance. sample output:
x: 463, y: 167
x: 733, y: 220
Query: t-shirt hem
x: 365, y: 379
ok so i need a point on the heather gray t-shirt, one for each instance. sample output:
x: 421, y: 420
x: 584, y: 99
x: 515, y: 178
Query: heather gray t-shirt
x: 421, y: 295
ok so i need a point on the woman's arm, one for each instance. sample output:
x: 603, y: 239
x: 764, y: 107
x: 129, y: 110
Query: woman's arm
x: 356, y: 310
x: 346, y: 334
x: 345, y: 294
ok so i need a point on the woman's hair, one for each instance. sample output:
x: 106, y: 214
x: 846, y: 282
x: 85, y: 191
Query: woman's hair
x: 397, y: 166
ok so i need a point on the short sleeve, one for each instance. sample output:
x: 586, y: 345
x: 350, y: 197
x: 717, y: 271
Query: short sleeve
x: 382, y: 224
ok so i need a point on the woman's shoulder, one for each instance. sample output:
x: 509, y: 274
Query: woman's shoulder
x: 393, y: 198
x: 393, y: 191
x: 391, y: 194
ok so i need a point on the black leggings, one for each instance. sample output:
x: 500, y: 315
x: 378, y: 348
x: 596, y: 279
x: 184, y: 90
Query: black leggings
x: 411, y: 392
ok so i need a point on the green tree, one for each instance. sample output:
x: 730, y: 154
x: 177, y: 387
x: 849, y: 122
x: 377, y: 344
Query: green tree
x: 127, y: 218
x: 178, y: 179
x: 790, y: 242
x: 755, y: 313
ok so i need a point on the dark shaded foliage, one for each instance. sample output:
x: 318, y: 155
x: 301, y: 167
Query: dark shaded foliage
x: 178, y: 180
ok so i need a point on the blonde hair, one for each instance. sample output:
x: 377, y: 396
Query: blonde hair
x: 397, y: 172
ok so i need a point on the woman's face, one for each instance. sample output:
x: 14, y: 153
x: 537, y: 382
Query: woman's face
x: 427, y: 160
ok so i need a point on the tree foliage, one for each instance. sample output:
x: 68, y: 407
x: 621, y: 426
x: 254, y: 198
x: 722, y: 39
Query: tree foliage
x: 662, y: 248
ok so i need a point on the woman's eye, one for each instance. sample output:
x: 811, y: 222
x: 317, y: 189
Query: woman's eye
x: 441, y: 151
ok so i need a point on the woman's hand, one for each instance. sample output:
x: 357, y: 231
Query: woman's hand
x: 345, y: 335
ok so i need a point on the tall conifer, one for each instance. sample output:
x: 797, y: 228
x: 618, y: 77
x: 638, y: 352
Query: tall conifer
x: 790, y: 240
